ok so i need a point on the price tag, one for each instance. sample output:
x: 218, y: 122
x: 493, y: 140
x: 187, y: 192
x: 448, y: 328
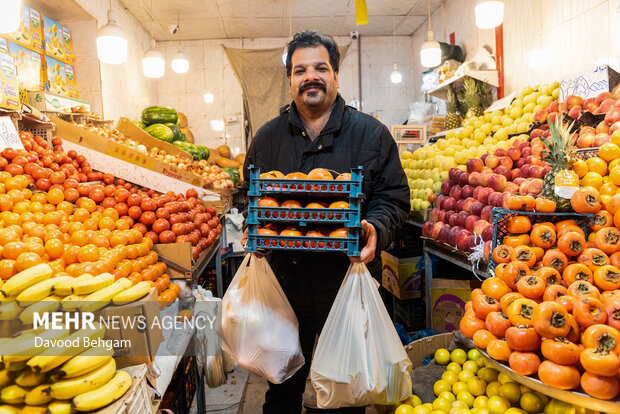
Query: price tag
x: 590, y: 83
x: 501, y: 103
x: 9, y: 138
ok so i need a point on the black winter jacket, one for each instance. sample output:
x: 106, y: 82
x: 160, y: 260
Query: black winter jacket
x: 349, y: 139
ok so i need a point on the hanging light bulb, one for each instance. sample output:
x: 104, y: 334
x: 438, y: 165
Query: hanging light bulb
x: 489, y: 14
x: 153, y: 63
x: 208, y: 97
x: 396, y: 76
x: 111, y: 42
x: 10, y: 16
x: 284, y: 54
x: 430, y: 54
x: 180, y: 64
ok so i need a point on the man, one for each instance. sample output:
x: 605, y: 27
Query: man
x: 319, y: 130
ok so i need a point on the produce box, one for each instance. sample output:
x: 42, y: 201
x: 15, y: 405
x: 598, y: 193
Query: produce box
x: 30, y: 68
x: 71, y: 84
x: 48, y: 102
x: 68, y: 45
x: 180, y: 393
x: 52, y: 39
x: 9, y: 86
x: 29, y: 33
x: 420, y: 349
x: 143, y: 342
x: 178, y: 257
x: 448, y: 298
x: 131, y: 130
x: 56, y: 76
x: 401, y: 276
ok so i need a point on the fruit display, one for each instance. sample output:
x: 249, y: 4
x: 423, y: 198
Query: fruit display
x: 469, y: 385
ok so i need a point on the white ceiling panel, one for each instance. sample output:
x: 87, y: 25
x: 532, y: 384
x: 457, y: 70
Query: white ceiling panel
x: 245, y: 27
x: 251, y: 9
x: 390, y: 7
x: 420, y: 8
x: 193, y: 29
x: 319, y: 8
x: 331, y: 25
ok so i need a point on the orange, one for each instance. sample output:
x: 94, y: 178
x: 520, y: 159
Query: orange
x: 597, y: 165
x: 107, y: 223
x: 36, y: 206
x: 47, y: 208
x: 614, y: 175
x: 111, y: 212
x: 122, y: 224
x: 608, y: 188
x: 7, y: 236
x: 21, y: 207
x: 184, y: 315
x: 39, y: 198
x: 75, y: 226
x: 592, y: 179
x: 65, y: 207
x: 88, y: 204
x: 12, y: 218
x: 175, y: 288
x: 34, y: 247
x: 79, y: 238
x: 57, y: 266
x: 7, y: 269
x: 100, y: 241
x: 80, y: 214
x: 609, y: 151
x: 27, y: 260
x: 118, y: 238
x: 69, y: 255
x: 580, y: 167
x: 54, y: 248
x: 91, y: 224
x: 52, y: 217
x: 55, y: 196
x: 16, y: 195
x: 134, y: 236
x: 12, y: 250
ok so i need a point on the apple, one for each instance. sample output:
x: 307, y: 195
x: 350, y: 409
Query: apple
x: 467, y: 191
x: 551, y: 118
x: 498, y: 182
x: 523, y: 187
x: 590, y: 105
x: 513, y: 153
x: 474, y: 165
x: 586, y: 140
x: 541, y: 116
x: 506, y: 162
x: 449, y: 204
x: 494, y: 198
x: 483, y: 157
x: 435, y: 214
x: 435, y: 230
x: 515, y: 173
x: 501, y: 170
x: 453, y: 174
x: 500, y: 152
x: 427, y: 228
x: 575, y: 111
x: 536, y: 171
x: 446, y: 186
x: 484, y: 178
x: 471, y: 221
x: 462, y: 218
x: 511, y: 188
x: 454, y: 231
x: 487, y: 233
x: 474, y: 178
x: 563, y: 107
x: 477, y: 207
x: 452, y: 220
x: 612, y: 116
x: 492, y: 161
x: 546, y: 170
x: 603, y: 127
x: 443, y: 234
x: 462, y: 240
x: 480, y: 226
x: 602, y: 96
x: 601, y: 139
x: 473, y: 242
x: 617, y: 104
x: 546, y: 133
x: 587, y: 129
x: 520, y: 163
x: 485, y: 193
x: 606, y: 105
x: 535, y: 187
x: 533, y: 160
x: 458, y: 207
x: 469, y: 202
x: 442, y: 216
x: 526, y: 152
x: 520, y: 179
x: 440, y: 198
x: 463, y: 179
x: 486, y: 213
x: 614, y: 127
x: 553, y: 107
x: 455, y: 192
x: 574, y: 100
x: 477, y: 191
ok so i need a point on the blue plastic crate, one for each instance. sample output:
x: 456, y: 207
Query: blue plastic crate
x: 349, y: 245
x: 349, y: 217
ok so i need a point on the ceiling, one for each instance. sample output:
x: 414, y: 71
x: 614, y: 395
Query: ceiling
x: 234, y: 19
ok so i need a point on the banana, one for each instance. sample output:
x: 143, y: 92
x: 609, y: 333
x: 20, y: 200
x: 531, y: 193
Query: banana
x: 85, y: 362
x: 103, y: 297
x: 133, y: 293
x: 63, y: 288
x: 9, y: 409
x: 48, y: 304
x: 53, y: 357
x: 89, y: 286
x: 28, y: 348
x: 28, y: 378
x: 30, y: 409
x: 59, y: 407
x: 5, y: 378
x: 25, y: 279
x: 15, y: 366
x: 41, y: 290
x: 37, y: 396
x: 69, y: 388
x: 112, y: 391
x: 13, y: 394
x: 9, y: 310
x: 12, y: 344
x: 71, y: 302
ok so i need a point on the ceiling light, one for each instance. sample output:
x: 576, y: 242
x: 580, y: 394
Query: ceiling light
x: 180, y: 64
x: 396, y: 76
x: 153, y: 63
x: 217, y: 125
x: 430, y: 54
x: 111, y: 42
x: 208, y: 97
x: 10, y: 17
x: 539, y: 59
x: 284, y: 54
x: 489, y: 14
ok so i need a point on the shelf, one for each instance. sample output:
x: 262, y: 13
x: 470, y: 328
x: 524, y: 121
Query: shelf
x: 417, y: 218
x: 488, y: 76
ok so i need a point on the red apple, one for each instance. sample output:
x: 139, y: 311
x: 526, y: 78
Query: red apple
x: 498, y: 182
x: 546, y: 133
x: 586, y: 140
x: 526, y: 152
x: 535, y: 187
x: 541, y: 116
x: 513, y: 153
x: 439, y: 200
x: 606, y: 105
x: 536, y: 171
x: 590, y: 104
x: 575, y: 111
x: 614, y: 127
x: 492, y: 161
x: 471, y: 221
x: 477, y: 208
x: 546, y: 170
x: 486, y: 213
x: 494, y: 199
x: 453, y: 174
x: 563, y: 107
x: 520, y: 163
x: 462, y: 217
x: 480, y: 226
x: 520, y: 179
x: 487, y: 233
x: 474, y: 179
x: 442, y: 216
x: 458, y: 207
x: 455, y: 192
x: 483, y: 180
x: 452, y: 220
x: 586, y: 129
x: 533, y: 159
x: 446, y: 186
x: 485, y: 193
x: 553, y: 107
x: 435, y: 230
x: 602, y: 96
x: 449, y: 204
x: 501, y: 170
x: 462, y: 240
x: 601, y: 139
x: 464, y: 179
x: 474, y: 165
x: 500, y: 152
x: 454, y: 232
x: 603, y: 127
x: 467, y: 191
x: 427, y: 228
x: 523, y: 187
x: 444, y: 234
x: 511, y: 188
x: 506, y: 162
x: 574, y: 100
x: 612, y: 116
x: 514, y: 173
x: 469, y: 202
x: 551, y: 118
x: 435, y: 214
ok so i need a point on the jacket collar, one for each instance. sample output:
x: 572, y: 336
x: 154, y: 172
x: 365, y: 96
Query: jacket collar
x: 333, y: 124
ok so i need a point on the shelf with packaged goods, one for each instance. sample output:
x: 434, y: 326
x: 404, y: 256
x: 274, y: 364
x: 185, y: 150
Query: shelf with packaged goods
x: 487, y: 76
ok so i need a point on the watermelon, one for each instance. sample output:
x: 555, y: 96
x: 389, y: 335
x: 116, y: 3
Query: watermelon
x: 159, y: 115
x: 175, y: 129
x: 140, y: 124
x: 234, y: 175
x: 161, y: 132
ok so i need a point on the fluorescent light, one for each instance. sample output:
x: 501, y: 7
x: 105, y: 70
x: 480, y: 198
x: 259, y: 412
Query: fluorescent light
x: 208, y: 97
x: 11, y: 16
x: 489, y: 14
x: 153, y: 63
x: 430, y: 54
x: 111, y: 42
x: 539, y: 59
x: 217, y: 125
x: 180, y: 64
x: 396, y: 76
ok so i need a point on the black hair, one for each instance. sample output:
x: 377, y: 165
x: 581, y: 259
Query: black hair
x: 313, y: 38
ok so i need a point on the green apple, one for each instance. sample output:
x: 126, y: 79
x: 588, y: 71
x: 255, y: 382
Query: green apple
x: 425, y: 205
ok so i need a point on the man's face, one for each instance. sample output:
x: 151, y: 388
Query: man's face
x: 314, y: 84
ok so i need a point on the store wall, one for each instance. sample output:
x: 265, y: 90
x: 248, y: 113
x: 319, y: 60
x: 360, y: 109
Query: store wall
x: 579, y: 33
x: 211, y: 71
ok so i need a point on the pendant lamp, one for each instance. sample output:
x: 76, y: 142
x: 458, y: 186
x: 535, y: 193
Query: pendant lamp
x: 153, y: 63
x: 10, y: 16
x: 111, y: 42
x: 489, y: 14
x: 430, y: 54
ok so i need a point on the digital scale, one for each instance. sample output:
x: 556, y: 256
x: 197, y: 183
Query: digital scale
x: 408, y: 137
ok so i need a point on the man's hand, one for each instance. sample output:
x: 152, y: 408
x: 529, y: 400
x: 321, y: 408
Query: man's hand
x: 370, y: 234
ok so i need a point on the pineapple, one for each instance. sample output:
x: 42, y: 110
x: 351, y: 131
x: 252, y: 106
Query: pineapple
x: 559, y: 154
x: 453, y: 120
x: 477, y: 96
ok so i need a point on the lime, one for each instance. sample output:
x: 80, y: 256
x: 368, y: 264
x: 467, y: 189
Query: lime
x: 458, y: 387
x: 476, y: 386
x: 473, y: 354
x: 454, y: 367
x: 404, y: 409
x: 441, y: 386
x: 511, y: 391
x: 442, y: 356
x: 497, y: 405
x: 531, y: 402
x: 466, y: 397
x: 447, y: 395
x: 493, y: 388
x: 459, y: 356
x: 441, y: 404
x: 471, y: 366
x: 414, y: 401
x: 481, y: 401
x: 420, y: 409
x: 488, y: 374
x: 450, y: 376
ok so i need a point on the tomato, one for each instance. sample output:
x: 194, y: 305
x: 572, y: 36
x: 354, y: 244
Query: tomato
x: 551, y: 320
x: 522, y: 338
x: 564, y: 377
x: 607, y: 277
x: 524, y: 363
x: 583, y: 289
x: 497, y: 323
x: 602, y: 337
x: 599, y: 386
x: 498, y: 349
x: 577, y: 272
x: 531, y: 287
x: 589, y: 311
x: 495, y: 287
x: 599, y: 361
x: 520, y: 311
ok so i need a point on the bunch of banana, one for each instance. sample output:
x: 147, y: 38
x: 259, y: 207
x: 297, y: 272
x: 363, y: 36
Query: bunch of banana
x: 136, y: 292
x: 24, y: 279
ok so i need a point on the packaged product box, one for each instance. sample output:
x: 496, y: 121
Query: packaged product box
x: 68, y: 45
x: 56, y: 77
x: 4, y: 45
x: 71, y: 85
x: 401, y: 276
x: 52, y: 39
x: 29, y: 67
x: 9, y: 85
x: 45, y: 101
x: 36, y: 31
x: 448, y: 298
x: 29, y: 33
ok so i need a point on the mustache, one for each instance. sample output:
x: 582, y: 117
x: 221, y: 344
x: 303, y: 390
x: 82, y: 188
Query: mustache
x: 307, y: 86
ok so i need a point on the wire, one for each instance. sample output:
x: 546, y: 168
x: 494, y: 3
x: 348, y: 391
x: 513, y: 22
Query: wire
x: 223, y: 409
x: 429, y: 15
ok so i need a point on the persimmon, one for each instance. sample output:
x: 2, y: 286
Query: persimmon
x: 555, y: 259
x: 521, y: 310
x: 564, y: 377
x: 608, y: 240
x: 524, y: 363
x: 560, y: 350
x: 470, y: 325
x: 583, y: 289
x: 553, y: 292
x: 601, y: 336
x: 544, y: 205
x: 499, y: 270
x: 612, y: 308
x: 495, y: 288
x: 571, y: 244
x: 612, y: 295
x: 586, y: 200
x: 549, y: 275
x: 593, y: 258
x: 513, y: 272
x: 518, y: 224
x: 589, y: 311
x: 598, y: 386
x: 482, y: 338
x: 497, y: 323
x: 607, y: 277
x: 599, y: 361
x: 499, y: 350
x: 567, y: 301
x: 602, y: 219
x: 483, y: 305
x: 539, y: 252
x: 523, y: 254
x: 507, y: 299
x: 502, y: 253
x: 614, y: 259
x: 576, y: 272
x: 522, y: 338
x: 531, y: 287
x: 551, y: 320
x: 520, y: 203
x: 514, y: 241
x: 574, y: 333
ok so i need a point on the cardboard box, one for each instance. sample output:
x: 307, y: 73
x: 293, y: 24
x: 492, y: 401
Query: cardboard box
x: 9, y: 85
x: 36, y: 31
x: 401, y: 276
x: 448, y: 298
x: 144, y: 342
x: 131, y: 130
x: 52, y: 39
x: 589, y: 83
x: 423, y: 347
x: 29, y: 66
x: 178, y: 257
x: 71, y: 84
x: 56, y: 76
x: 68, y: 45
x: 48, y: 102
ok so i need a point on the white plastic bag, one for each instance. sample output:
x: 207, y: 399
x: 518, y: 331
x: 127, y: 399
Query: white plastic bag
x: 209, y: 355
x: 359, y: 359
x: 234, y: 229
x: 257, y: 325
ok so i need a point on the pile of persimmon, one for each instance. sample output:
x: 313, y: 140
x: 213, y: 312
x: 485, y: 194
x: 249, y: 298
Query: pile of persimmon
x: 553, y: 306
x: 273, y: 229
x: 315, y: 174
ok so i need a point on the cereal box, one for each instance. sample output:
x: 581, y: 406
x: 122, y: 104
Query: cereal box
x: 56, y: 77
x: 52, y: 39
x: 29, y: 67
x: 71, y: 85
x: 36, y: 31
x: 9, y: 88
x: 68, y: 45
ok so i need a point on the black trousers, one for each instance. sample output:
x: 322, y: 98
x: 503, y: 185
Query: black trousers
x: 311, y: 288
